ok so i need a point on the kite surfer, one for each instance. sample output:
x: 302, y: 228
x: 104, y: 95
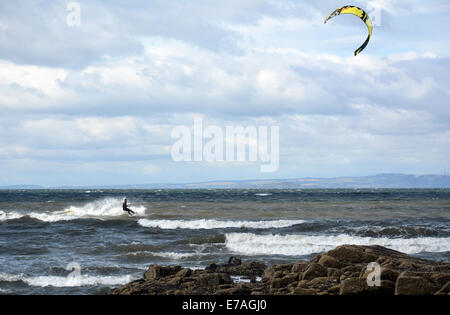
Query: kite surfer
x: 125, y: 207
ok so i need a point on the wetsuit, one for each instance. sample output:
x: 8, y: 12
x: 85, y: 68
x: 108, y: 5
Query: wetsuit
x: 125, y: 208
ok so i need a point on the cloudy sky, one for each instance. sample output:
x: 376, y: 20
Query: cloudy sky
x: 96, y: 104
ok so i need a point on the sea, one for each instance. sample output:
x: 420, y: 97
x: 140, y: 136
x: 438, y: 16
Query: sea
x: 82, y: 242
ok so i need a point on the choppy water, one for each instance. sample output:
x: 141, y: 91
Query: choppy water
x: 43, y: 231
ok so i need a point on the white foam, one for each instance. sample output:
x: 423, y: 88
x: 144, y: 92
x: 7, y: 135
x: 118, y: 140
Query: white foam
x: 5, y: 291
x: 4, y: 216
x: 169, y: 255
x: 108, y: 207
x: 174, y: 255
x: 297, y: 245
x: 243, y: 279
x: 56, y: 281
x: 101, y: 209
x: 216, y: 224
x: 10, y: 278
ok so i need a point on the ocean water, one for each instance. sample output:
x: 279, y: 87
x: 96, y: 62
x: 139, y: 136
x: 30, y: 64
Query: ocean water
x: 81, y: 242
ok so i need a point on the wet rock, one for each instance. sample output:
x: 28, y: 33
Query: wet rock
x: 184, y: 273
x: 358, y: 286
x: 334, y: 273
x: 284, y: 281
x: 314, y: 271
x: 302, y: 291
x: 413, y: 286
x: 386, y: 274
x: 156, y: 272
x: 213, y: 279
x: 445, y: 290
x: 299, y: 267
x: 329, y: 262
x: 342, y: 270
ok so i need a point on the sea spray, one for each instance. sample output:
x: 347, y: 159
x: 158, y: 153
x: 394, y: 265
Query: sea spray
x: 298, y: 245
x: 217, y: 224
x: 99, y: 209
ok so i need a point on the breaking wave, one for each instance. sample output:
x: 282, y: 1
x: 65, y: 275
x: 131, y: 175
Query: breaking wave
x: 216, y: 224
x: 99, y: 209
x: 56, y: 281
x: 299, y: 245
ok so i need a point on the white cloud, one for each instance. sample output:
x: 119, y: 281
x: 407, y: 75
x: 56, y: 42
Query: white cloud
x: 106, y: 96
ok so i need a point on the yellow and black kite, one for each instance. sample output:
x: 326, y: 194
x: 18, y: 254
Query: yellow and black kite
x: 361, y: 14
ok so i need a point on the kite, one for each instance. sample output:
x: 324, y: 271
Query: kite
x: 361, y: 14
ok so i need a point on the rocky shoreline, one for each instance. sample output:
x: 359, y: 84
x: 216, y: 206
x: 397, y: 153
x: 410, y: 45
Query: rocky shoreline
x: 341, y: 271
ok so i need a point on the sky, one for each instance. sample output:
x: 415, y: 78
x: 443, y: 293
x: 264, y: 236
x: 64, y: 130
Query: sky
x: 96, y: 104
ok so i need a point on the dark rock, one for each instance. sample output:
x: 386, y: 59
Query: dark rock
x: 334, y: 273
x: 213, y: 279
x: 440, y: 279
x: 342, y: 270
x: 358, y: 286
x: 156, y: 272
x: 347, y: 254
x: 184, y: 273
x: 284, y: 281
x: 413, y: 286
x: 314, y: 271
x: 299, y: 267
x: 445, y: 290
x: 302, y: 291
x: 386, y: 274
x: 329, y: 262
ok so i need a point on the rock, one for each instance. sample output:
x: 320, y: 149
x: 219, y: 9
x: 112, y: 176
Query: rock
x: 441, y: 268
x: 213, y: 279
x: 389, y: 274
x: 303, y: 284
x: 334, y: 273
x: 353, y: 286
x: 352, y: 269
x: 299, y: 266
x: 186, y: 272
x: 440, y: 279
x: 276, y: 272
x: 314, y: 271
x: 329, y: 262
x: 283, y: 267
x: 413, y: 286
x: 347, y: 254
x: 342, y: 270
x: 284, y: 281
x: 445, y: 290
x: 386, y: 274
x: 268, y: 274
x: 234, y: 261
x: 334, y: 290
x: 358, y: 286
x: 320, y: 284
x: 156, y: 272
x: 240, y: 289
x: 302, y: 291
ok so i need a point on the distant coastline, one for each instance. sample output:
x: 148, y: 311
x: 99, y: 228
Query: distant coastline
x: 387, y: 181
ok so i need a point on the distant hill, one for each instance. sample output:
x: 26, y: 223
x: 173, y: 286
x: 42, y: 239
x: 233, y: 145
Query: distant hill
x: 377, y: 181
x: 22, y: 187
